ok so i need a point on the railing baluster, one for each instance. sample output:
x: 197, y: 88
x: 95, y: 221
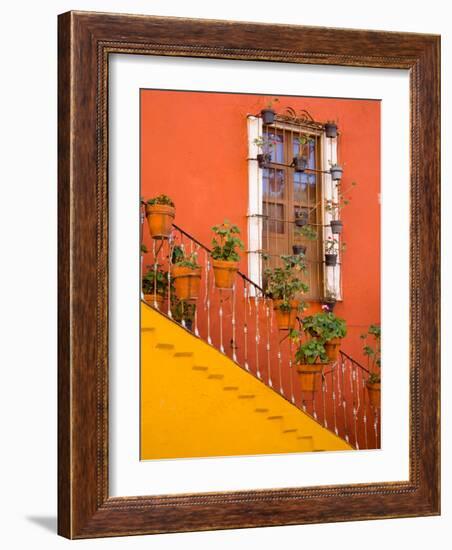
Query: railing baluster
x: 355, y: 407
x: 324, y: 390
x: 333, y: 395
x: 245, y: 328
x: 268, y: 314
x: 256, y: 303
x: 234, y: 343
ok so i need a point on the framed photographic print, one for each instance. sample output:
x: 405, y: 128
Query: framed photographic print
x: 248, y: 275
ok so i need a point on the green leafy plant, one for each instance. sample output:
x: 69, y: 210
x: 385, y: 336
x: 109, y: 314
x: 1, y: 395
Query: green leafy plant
x: 372, y: 350
x: 284, y: 283
x: 310, y: 352
x: 307, y: 231
x: 332, y: 246
x: 226, y: 242
x: 271, y: 103
x: 155, y: 280
x: 302, y: 141
x: 144, y: 249
x: 343, y: 200
x: 181, y: 259
x: 265, y: 144
x: 325, y: 326
x: 161, y: 199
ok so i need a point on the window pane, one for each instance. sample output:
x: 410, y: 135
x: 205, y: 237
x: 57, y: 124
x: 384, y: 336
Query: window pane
x: 300, y: 184
x: 274, y: 184
x: 273, y: 217
x: 277, y: 148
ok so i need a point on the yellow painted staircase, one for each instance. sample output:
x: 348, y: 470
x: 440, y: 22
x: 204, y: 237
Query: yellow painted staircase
x: 196, y: 402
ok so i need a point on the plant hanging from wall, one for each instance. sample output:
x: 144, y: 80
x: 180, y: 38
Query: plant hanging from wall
x: 225, y: 256
x: 283, y: 284
x: 306, y: 232
x: 266, y: 146
x: 300, y: 161
x: 331, y: 129
x: 335, y: 207
x: 160, y: 213
x: 332, y: 248
x: 268, y: 113
x: 310, y: 358
x: 372, y: 350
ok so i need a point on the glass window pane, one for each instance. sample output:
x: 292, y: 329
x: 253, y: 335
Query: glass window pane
x: 276, y: 148
x: 300, y: 186
x: 274, y: 184
x: 273, y: 217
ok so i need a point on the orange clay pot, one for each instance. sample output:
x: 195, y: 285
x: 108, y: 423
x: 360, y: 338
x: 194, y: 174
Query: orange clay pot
x: 286, y: 320
x: 154, y: 300
x: 332, y: 348
x: 224, y: 273
x: 374, y: 392
x: 309, y: 376
x: 186, y: 282
x: 160, y: 220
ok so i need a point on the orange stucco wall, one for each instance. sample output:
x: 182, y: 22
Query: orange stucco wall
x: 194, y: 148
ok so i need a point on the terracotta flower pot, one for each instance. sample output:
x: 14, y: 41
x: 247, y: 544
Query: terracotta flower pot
x: 186, y: 282
x: 309, y: 376
x: 332, y: 348
x: 286, y: 319
x: 160, y: 220
x: 154, y: 300
x: 374, y: 392
x: 224, y: 273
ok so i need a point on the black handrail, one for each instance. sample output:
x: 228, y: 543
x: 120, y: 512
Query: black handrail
x: 203, y: 246
x: 354, y: 361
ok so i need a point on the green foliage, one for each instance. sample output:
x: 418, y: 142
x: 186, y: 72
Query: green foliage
x: 161, y: 199
x: 155, y: 280
x: 144, y: 249
x: 182, y: 310
x: 226, y: 242
x: 283, y: 282
x: 312, y: 351
x: 332, y: 246
x: 335, y: 207
x: 180, y: 259
x: 307, y: 231
x: 372, y: 350
x: 264, y: 143
x: 325, y: 326
x: 271, y: 102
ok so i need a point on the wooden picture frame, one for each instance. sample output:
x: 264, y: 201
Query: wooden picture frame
x: 86, y: 40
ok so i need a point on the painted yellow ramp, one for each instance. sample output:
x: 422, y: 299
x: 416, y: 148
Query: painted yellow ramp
x: 197, y: 402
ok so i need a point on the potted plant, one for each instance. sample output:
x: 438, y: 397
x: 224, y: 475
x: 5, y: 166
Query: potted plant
x: 330, y: 300
x: 266, y: 145
x: 155, y: 285
x: 160, y: 212
x: 300, y: 161
x: 329, y: 329
x: 331, y: 251
x: 307, y: 232
x: 301, y: 218
x: 373, y: 352
x: 268, y: 113
x: 186, y: 274
x: 282, y: 286
x: 183, y: 312
x: 336, y: 172
x: 330, y: 129
x: 225, y: 258
x: 310, y: 358
x: 335, y: 209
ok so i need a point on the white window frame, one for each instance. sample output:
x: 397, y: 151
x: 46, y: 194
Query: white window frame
x: 332, y: 276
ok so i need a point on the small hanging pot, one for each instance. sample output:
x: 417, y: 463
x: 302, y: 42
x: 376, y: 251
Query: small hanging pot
x: 286, y: 318
x: 300, y: 163
x: 160, y: 220
x: 224, y: 273
x: 330, y: 305
x: 331, y: 130
x: 264, y: 160
x: 155, y: 300
x: 336, y: 172
x: 298, y: 249
x: 331, y: 260
x: 332, y: 348
x: 268, y: 116
x: 301, y: 220
x: 187, y: 282
x: 336, y: 226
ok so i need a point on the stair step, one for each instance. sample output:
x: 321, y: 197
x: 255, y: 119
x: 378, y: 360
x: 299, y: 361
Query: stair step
x: 215, y: 376
x: 289, y: 430
x: 164, y: 346
x: 247, y: 396
x: 304, y: 437
x: 231, y: 388
x: 147, y: 329
x: 261, y: 410
x: 200, y: 367
x: 183, y: 354
x: 275, y: 417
